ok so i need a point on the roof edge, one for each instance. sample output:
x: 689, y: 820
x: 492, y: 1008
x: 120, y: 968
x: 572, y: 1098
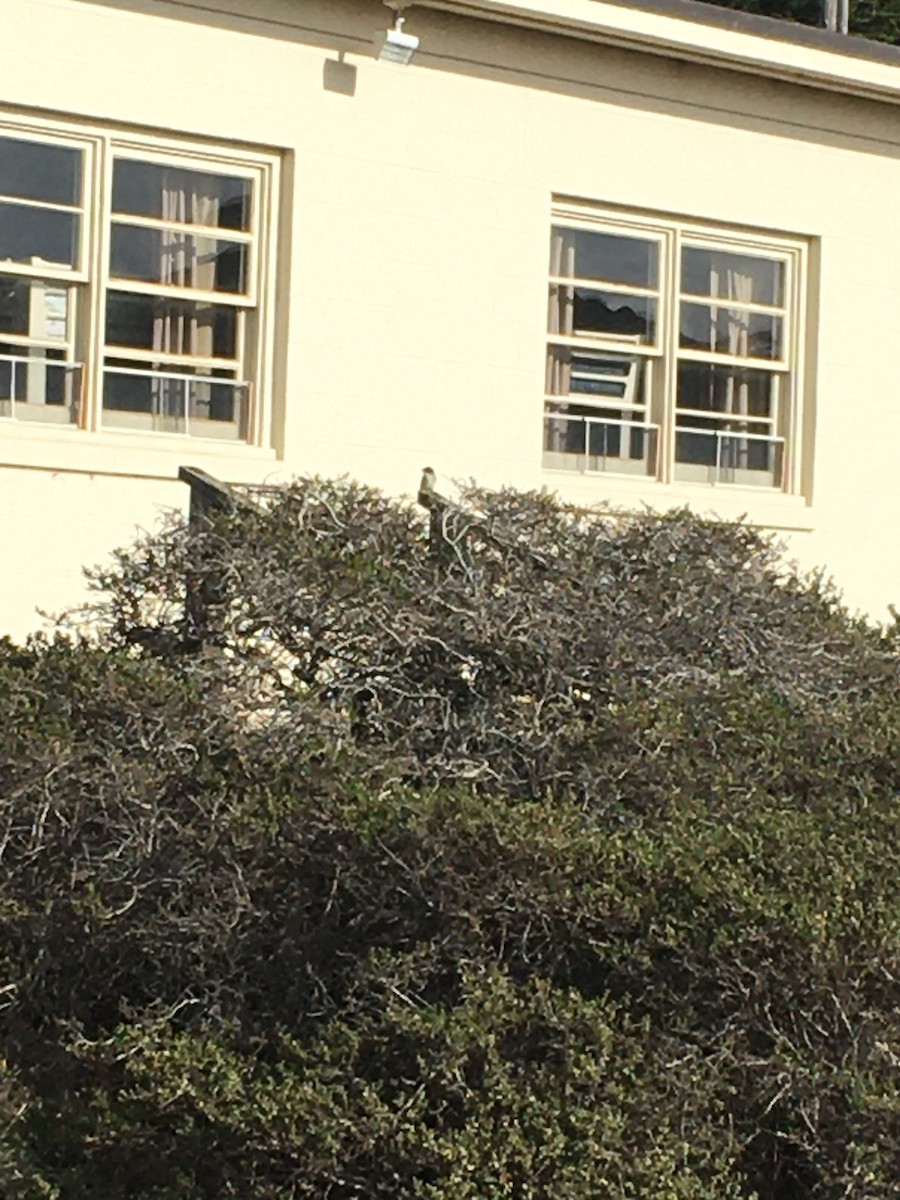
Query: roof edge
x: 771, y: 28
x: 710, y: 34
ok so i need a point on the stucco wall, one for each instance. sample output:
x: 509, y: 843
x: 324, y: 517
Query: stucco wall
x: 412, y: 272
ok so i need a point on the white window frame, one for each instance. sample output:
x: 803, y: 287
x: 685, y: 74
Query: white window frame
x: 91, y: 280
x: 26, y: 348
x: 662, y: 357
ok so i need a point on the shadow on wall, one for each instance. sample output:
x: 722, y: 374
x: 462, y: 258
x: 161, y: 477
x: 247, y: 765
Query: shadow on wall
x: 339, y: 76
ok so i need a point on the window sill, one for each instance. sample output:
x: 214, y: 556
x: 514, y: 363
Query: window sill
x: 140, y: 456
x: 768, y: 510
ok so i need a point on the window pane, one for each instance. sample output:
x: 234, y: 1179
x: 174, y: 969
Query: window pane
x: 139, y: 397
x: 743, y: 277
x: 730, y: 331
x: 178, y: 260
x: 180, y: 194
x: 38, y: 384
x: 35, y: 171
x: 590, y: 441
x: 33, y: 308
x: 595, y: 378
x: 38, y: 235
x: 716, y: 456
x: 578, y: 311
x: 171, y: 326
x: 612, y: 258
x: 730, y: 391
x: 738, y: 442
x: 597, y: 422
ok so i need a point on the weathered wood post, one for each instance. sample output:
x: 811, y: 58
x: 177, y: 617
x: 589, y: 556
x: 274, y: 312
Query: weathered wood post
x: 203, y: 590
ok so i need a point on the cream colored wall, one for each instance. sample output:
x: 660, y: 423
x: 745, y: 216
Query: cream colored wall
x: 59, y: 523
x: 413, y: 295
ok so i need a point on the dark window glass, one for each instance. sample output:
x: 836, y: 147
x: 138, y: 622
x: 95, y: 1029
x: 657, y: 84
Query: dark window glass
x: 585, y: 439
x: 731, y: 391
x: 33, y: 308
x: 179, y: 260
x: 610, y: 257
x: 727, y: 457
x: 726, y: 276
x: 171, y: 326
x: 35, y: 171
x: 40, y: 381
x: 732, y: 331
x: 181, y: 195
x: 198, y: 403
x: 578, y: 310
x: 589, y: 434
x: 36, y: 235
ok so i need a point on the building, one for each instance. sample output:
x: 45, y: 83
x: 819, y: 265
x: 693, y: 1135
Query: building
x: 642, y: 253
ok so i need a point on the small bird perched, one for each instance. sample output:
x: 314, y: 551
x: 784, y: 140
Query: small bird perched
x: 428, y: 495
x: 439, y: 509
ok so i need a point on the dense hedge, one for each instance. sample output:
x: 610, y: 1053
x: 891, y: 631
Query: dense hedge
x: 558, y: 863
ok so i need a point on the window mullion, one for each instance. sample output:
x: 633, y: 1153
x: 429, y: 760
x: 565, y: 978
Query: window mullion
x: 168, y: 291
x: 40, y: 205
x: 241, y: 344
x: 259, y: 352
x: 99, y: 225
x: 602, y: 285
x: 219, y: 233
x: 27, y: 342
x: 790, y: 393
x: 171, y: 359
x: 778, y: 365
x: 669, y: 381
x: 605, y: 342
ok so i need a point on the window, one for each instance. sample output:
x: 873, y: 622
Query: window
x: 672, y: 352
x: 136, y: 305
x: 41, y: 256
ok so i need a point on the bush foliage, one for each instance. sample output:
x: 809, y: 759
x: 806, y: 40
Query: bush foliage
x: 552, y: 858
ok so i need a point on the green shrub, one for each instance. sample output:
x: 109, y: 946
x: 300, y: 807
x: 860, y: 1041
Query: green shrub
x: 556, y: 860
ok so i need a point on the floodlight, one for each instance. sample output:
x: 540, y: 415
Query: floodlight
x: 398, y: 47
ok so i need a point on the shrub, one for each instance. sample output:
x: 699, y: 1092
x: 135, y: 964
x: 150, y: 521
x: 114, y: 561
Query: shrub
x: 553, y: 857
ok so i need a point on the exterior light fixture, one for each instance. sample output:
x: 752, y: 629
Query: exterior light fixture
x: 398, y: 47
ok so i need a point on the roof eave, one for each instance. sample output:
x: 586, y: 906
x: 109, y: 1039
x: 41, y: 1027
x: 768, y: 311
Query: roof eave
x: 714, y: 36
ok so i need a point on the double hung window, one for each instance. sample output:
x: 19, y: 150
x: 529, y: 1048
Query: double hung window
x: 131, y: 286
x: 42, y: 192
x: 672, y: 352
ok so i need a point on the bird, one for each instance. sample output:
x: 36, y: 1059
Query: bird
x: 439, y: 509
x: 428, y: 494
